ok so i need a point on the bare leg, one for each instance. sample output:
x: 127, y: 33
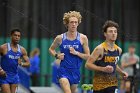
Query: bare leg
x: 127, y: 86
x: 5, y: 88
x: 13, y: 88
x: 64, y: 82
x: 74, y: 88
x: 122, y: 86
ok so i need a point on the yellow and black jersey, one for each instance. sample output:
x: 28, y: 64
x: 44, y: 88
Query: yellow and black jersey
x: 103, y: 80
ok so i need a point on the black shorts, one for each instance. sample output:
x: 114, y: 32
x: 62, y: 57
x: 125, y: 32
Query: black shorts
x: 112, y: 89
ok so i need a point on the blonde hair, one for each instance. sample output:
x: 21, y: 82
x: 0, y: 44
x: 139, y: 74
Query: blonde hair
x: 34, y: 52
x: 71, y: 14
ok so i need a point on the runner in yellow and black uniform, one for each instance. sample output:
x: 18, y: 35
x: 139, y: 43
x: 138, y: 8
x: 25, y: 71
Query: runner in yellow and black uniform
x: 103, y: 61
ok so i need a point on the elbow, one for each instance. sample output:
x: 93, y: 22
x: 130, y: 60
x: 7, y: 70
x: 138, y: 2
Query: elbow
x: 122, y: 66
x: 49, y: 50
x: 87, y: 65
x: 87, y: 56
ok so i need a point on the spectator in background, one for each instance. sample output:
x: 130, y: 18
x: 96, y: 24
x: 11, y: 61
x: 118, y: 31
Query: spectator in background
x: 129, y: 62
x: 55, y: 67
x: 34, y: 68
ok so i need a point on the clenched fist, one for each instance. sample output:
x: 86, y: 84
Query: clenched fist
x: 2, y: 72
x: 73, y: 51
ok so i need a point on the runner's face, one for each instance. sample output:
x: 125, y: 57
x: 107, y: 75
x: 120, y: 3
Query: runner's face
x: 111, y: 33
x: 131, y: 50
x: 15, y: 37
x: 73, y: 24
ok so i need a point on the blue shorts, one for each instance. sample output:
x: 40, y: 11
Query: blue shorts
x: 9, y: 79
x: 73, y: 75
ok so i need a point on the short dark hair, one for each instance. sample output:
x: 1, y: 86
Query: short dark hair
x: 110, y: 23
x: 132, y: 46
x: 15, y: 30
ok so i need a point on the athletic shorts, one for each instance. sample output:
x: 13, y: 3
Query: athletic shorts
x: 73, y: 75
x: 9, y: 79
x: 112, y: 89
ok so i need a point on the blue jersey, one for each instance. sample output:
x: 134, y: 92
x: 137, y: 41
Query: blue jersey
x: 9, y: 61
x: 71, y: 61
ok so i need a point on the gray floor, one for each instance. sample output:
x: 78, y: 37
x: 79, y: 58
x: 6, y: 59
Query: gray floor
x: 45, y: 90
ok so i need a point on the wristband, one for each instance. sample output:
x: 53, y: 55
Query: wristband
x: 1, y: 69
x: 56, y: 56
x: 21, y: 63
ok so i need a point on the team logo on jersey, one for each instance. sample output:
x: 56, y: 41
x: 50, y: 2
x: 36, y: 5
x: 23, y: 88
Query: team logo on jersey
x: 14, y: 57
x: 111, y: 59
x: 68, y: 46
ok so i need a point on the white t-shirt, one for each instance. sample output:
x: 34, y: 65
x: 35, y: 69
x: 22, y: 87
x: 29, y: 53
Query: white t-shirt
x: 127, y: 58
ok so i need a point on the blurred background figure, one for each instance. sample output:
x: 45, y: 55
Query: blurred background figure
x: 129, y: 63
x: 35, y: 66
x: 55, y: 66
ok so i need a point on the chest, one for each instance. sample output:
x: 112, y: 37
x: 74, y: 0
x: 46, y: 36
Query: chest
x: 111, y: 57
x: 13, y: 55
x: 66, y: 44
